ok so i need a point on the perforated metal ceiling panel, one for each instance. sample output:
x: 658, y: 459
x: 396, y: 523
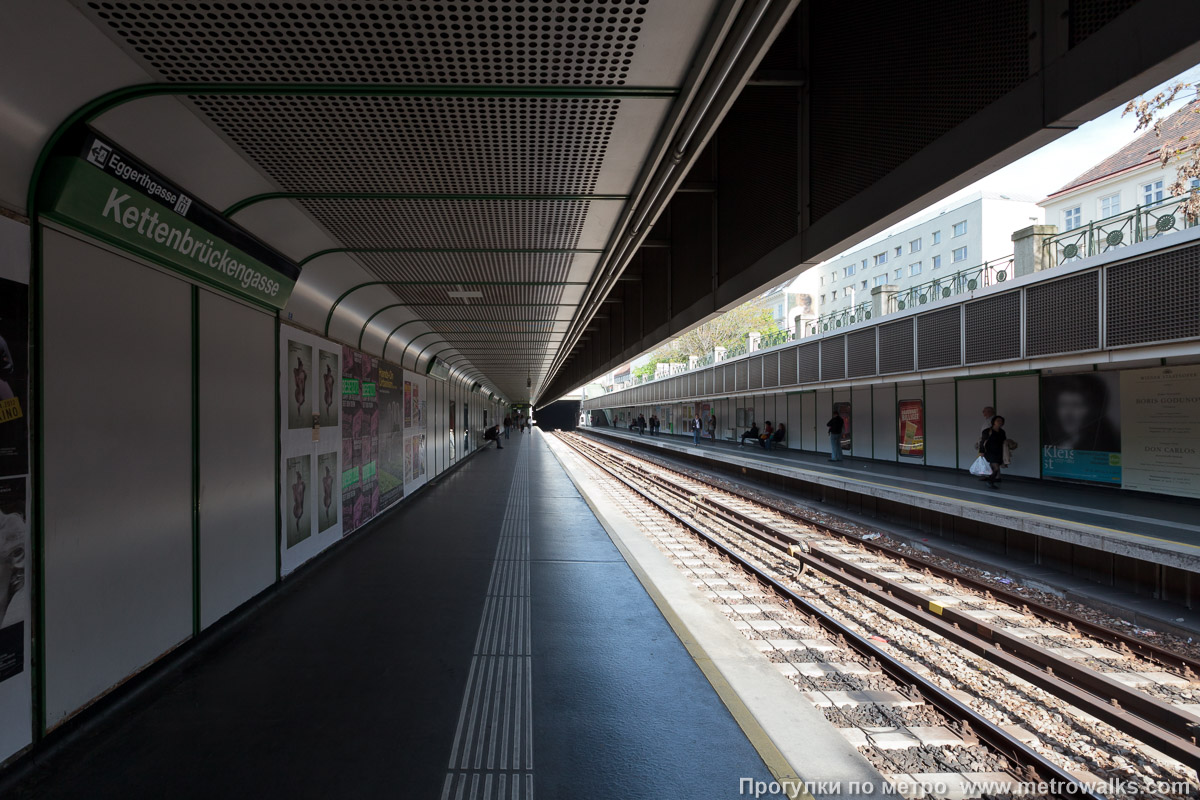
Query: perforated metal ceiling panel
x: 482, y: 145
x: 544, y: 224
x: 383, y: 42
x: 469, y: 266
x: 498, y: 169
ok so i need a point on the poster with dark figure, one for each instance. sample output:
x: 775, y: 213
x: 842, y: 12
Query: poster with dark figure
x: 329, y: 389
x: 299, y: 484
x: 329, y: 497
x: 14, y: 586
x: 14, y: 377
x: 1081, y: 430
x: 300, y: 386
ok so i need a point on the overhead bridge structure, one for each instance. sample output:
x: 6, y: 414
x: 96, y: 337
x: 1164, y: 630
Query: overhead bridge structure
x: 270, y: 269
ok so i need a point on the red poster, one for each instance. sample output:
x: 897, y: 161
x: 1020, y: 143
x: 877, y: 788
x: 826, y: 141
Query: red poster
x: 912, y: 428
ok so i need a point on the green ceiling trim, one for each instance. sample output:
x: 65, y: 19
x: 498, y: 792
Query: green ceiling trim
x: 93, y: 108
x: 356, y: 287
x: 259, y: 198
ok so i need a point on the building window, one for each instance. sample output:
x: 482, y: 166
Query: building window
x: 1152, y: 193
x: 833, y: 277
x: 880, y: 280
x: 881, y: 259
x: 899, y: 274
x: 833, y: 295
x: 959, y: 254
x: 914, y: 269
x: 849, y: 270
x: 822, y: 280
x: 1071, y: 217
x: 1110, y: 206
x: 822, y: 299
x: 864, y: 263
x: 937, y: 237
x: 937, y: 261
x: 899, y: 250
x: 864, y: 285
x: 960, y: 228
x: 914, y: 246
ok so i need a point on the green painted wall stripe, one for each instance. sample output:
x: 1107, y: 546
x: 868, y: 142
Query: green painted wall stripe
x: 263, y: 197
x: 196, y: 589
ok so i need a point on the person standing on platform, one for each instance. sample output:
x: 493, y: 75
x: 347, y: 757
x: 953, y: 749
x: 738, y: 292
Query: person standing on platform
x: 836, y: 426
x: 992, y: 449
x: 712, y: 427
x: 641, y: 424
x: 507, y: 425
x: 697, y: 427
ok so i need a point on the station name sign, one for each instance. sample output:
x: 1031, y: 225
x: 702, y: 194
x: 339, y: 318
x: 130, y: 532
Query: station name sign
x: 103, y: 191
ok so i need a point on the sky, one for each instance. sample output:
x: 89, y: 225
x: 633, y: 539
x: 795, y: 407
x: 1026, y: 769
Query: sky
x: 1050, y: 168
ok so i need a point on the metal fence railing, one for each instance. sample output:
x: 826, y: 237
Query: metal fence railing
x: 989, y: 273
x: 1120, y: 230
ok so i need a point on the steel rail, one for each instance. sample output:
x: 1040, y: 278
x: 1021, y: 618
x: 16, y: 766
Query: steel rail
x: 1020, y: 754
x: 1187, y: 667
x: 1136, y: 713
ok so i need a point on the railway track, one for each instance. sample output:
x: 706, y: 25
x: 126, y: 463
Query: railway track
x: 1098, y: 707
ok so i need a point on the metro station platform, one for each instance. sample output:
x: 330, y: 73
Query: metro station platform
x: 1124, y: 539
x: 485, y: 640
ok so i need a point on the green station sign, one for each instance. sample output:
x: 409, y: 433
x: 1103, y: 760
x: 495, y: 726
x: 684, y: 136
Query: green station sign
x: 102, y: 191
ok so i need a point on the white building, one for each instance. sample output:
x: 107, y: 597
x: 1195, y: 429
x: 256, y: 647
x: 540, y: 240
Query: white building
x: 1132, y: 176
x: 961, y: 236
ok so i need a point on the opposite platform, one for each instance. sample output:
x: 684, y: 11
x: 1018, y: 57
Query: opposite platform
x: 1160, y: 530
x: 486, y: 639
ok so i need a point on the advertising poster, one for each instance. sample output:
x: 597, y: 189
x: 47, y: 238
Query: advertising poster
x: 414, y: 432
x: 393, y: 399
x: 14, y: 374
x: 311, y: 457
x: 331, y: 399
x: 351, y: 417
x: 1081, y: 426
x: 299, y: 481
x: 14, y: 587
x: 16, y: 568
x: 300, y: 388
x: 368, y: 438
x: 912, y: 428
x: 843, y: 410
x: 408, y: 404
x: 367, y: 387
x: 329, y: 501
x: 1160, y: 425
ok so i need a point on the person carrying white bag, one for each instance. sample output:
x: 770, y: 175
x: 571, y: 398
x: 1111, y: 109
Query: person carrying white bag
x: 991, y: 453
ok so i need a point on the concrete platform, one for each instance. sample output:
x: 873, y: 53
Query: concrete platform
x: 800, y: 745
x: 486, y: 639
x: 1159, y: 530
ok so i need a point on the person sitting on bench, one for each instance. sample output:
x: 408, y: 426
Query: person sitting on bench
x: 751, y: 434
